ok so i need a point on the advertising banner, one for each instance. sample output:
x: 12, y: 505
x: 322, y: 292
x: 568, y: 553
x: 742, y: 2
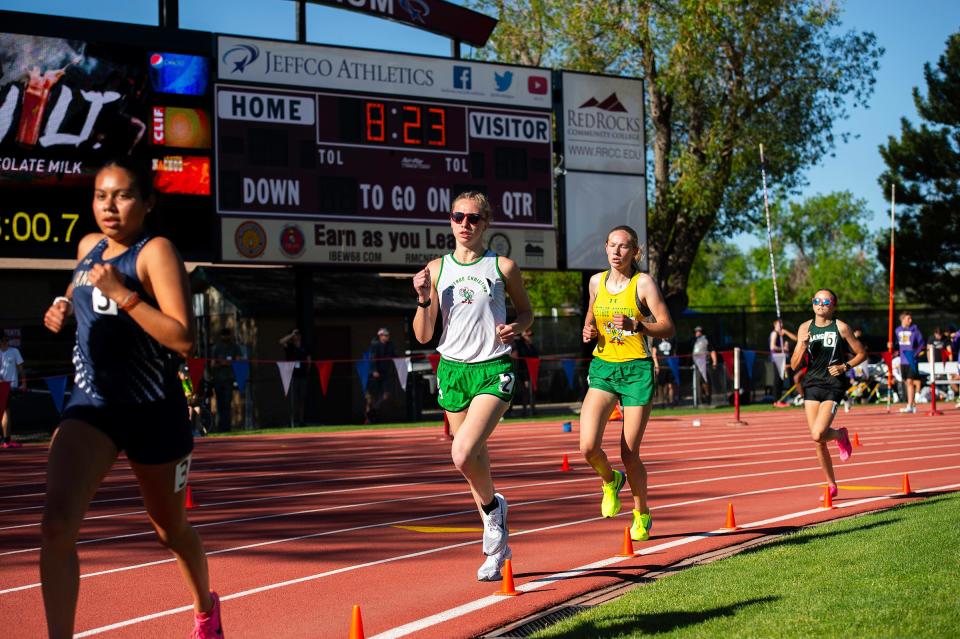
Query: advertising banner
x: 595, y: 203
x: 602, y: 123
x: 292, y: 241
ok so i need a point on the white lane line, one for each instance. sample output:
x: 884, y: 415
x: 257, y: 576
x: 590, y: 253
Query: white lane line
x: 462, y: 512
x: 484, y: 602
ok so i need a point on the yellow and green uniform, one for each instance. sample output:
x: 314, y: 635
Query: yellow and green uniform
x: 622, y: 364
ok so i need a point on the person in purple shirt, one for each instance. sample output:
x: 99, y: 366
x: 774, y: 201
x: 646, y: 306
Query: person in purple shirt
x: 910, y: 343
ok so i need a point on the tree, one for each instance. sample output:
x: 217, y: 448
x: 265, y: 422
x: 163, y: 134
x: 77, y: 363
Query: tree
x: 721, y: 76
x: 924, y: 166
x: 822, y: 241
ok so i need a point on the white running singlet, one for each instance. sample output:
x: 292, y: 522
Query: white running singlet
x: 472, y: 303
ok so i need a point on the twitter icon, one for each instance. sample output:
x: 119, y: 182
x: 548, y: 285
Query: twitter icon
x: 503, y: 81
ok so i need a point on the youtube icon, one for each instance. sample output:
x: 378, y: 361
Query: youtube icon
x: 537, y: 84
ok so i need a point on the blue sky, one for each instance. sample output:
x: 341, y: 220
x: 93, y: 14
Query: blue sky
x: 912, y: 34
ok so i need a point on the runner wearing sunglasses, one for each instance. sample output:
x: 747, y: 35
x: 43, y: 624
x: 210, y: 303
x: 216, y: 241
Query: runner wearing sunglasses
x: 829, y: 343
x: 476, y: 377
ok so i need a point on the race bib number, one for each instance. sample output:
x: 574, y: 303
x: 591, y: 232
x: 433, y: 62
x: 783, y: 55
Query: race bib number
x: 829, y: 339
x: 506, y: 383
x: 181, y: 474
x: 103, y: 304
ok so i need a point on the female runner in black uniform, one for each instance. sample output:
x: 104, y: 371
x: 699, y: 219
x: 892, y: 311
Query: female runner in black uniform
x: 829, y: 343
x: 131, y: 298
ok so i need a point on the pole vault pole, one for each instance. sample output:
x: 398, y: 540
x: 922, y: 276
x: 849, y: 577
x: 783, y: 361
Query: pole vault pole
x: 893, y: 191
x: 773, y: 267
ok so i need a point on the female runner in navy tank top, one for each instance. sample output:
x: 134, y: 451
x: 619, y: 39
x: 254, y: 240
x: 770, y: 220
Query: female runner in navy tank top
x: 828, y: 342
x: 130, y: 296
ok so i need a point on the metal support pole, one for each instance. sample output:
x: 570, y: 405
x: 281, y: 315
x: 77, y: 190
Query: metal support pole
x: 455, y: 48
x: 169, y: 14
x: 301, y: 10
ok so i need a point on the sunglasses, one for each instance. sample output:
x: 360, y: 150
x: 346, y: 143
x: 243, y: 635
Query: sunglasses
x: 472, y: 218
x: 819, y: 301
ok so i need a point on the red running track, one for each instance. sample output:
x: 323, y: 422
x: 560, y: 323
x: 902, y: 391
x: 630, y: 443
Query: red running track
x: 301, y: 528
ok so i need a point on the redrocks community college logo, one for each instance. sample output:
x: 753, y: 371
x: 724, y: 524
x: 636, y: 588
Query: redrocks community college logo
x: 416, y: 9
x: 292, y: 241
x: 610, y: 103
x: 250, y: 239
x: 241, y: 56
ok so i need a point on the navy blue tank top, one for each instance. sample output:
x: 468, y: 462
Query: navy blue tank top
x: 115, y: 360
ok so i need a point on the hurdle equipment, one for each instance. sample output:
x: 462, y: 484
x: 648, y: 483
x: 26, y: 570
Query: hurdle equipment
x: 565, y: 466
x: 356, y: 624
x: 627, y: 550
x: 736, y: 390
x: 506, y: 586
x: 731, y: 520
x: 906, y: 484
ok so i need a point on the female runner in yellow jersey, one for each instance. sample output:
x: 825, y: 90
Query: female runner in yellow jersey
x: 626, y: 307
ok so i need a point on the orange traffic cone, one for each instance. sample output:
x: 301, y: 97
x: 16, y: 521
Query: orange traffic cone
x: 190, y: 504
x: 827, y: 498
x: 906, y: 484
x: 506, y: 587
x: 627, y: 544
x: 616, y: 414
x: 856, y: 440
x: 565, y: 466
x: 731, y: 520
x: 356, y: 624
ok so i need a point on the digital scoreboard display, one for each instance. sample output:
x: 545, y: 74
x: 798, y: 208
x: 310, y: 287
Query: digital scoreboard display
x: 69, y: 104
x: 322, y: 138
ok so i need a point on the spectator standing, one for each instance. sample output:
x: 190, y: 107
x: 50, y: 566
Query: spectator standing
x: 523, y: 347
x: 11, y: 371
x: 663, y: 349
x: 382, y: 353
x: 224, y: 351
x: 702, y: 348
x: 293, y: 351
x: 940, y: 343
x: 910, y: 343
x: 780, y: 350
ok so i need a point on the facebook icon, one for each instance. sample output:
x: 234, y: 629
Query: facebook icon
x: 461, y: 78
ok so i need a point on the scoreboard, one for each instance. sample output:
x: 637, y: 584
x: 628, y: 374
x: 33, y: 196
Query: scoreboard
x: 317, y: 143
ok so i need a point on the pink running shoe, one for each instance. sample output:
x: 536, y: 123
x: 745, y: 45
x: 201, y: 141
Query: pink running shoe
x: 13, y: 444
x: 846, y: 449
x: 833, y: 491
x: 207, y: 624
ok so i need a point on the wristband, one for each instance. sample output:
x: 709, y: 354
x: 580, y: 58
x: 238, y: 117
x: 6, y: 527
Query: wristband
x: 424, y: 304
x: 129, y: 302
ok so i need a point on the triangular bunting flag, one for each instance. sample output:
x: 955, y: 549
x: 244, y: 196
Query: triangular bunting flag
x: 533, y: 367
x: 674, y: 363
x: 569, y: 368
x: 779, y: 363
x: 727, y: 361
x: 401, y: 364
x: 195, y: 366
x: 58, y: 387
x: 241, y: 372
x: 363, y: 369
x: 286, y: 374
x: 749, y: 357
x: 888, y: 358
x: 324, y: 368
x: 4, y: 396
x: 700, y: 361
x: 434, y: 361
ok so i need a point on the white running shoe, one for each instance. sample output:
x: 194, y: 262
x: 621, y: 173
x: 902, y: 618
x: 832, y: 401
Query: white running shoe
x: 495, y: 527
x: 908, y: 409
x: 490, y: 570
x: 798, y: 400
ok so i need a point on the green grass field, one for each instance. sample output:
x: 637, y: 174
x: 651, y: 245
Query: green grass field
x: 894, y: 573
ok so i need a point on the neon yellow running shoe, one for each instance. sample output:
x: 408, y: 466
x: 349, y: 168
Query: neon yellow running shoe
x: 610, y: 505
x: 642, y: 523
